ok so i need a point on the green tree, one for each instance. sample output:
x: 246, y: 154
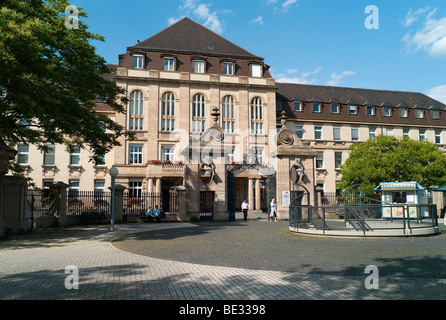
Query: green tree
x: 387, y: 159
x: 51, y: 77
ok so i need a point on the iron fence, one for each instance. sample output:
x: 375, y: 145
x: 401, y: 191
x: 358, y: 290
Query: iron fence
x: 89, y: 202
x: 40, y: 203
x: 140, y: 204
x: 364, y: 217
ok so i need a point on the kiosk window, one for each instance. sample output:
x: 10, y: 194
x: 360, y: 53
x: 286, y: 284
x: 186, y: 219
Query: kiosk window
x: 399, y: 197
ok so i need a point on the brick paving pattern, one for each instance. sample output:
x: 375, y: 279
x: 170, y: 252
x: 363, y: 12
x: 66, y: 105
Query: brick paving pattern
x: 33, y: 267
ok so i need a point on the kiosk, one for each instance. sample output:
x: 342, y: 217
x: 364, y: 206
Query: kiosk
x: 400, y: 197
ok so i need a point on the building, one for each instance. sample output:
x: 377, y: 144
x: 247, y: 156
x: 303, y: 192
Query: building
x: 186, y: 80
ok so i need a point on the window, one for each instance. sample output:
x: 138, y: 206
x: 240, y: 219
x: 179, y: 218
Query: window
x: 406, y: 132
x: 73, y: 188
x: 436, y: 114
x: 198, y: 113
x: 404, y: 112
x: 389, y: 132
x: 168, y: 112
x: 228, y: 116
x: 321, y: 184
x: 230, y: 155
x: 318, y: 132
x: 297, y: 106
x: 370, y: 111
x: 353, y: 110
x: 167, y: 153
x: 422, y: 135
x: 256, y: 70
x: 228, y: 68
x: 338, y: 160
x: 438, y: 137
x: 46, y: 185
x: 138, y: 61
x: 372, y: 133
x: 135, y: 154
x: 355, y: 134
x: 49, y: 156
x: 199, y: 66
x: 335, y: 108
x: 259, y: 155
x: 75, y: 157
x: 23, y: 154
x: 299, y: 130
x: 256, y: 116
x: 320, y: 160
x: 169, y: 64
x: 316, y: 107
x: 136, y: 111
x: 278, y: 105
x: 387, y: 112
x: 99, y: 188
x: 420, y: 113
x: 135, y: 189
x: 336, y: 133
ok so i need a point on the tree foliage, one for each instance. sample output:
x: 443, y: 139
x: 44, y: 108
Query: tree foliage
x: 388, y: 159
x: 51, y: 78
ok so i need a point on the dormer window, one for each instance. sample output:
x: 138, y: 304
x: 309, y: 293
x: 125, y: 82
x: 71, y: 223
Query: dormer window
x: 169, y: 64
x: 228, y: 68
x: 387, y: 112
x: 199, y: 66
x: 420, y: 113
x: 353, y: 109
x: 316, y: 107
x: 138, y: 61
x: 256, y: 70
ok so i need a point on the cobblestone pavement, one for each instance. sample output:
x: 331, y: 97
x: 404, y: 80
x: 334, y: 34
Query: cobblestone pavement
x: 33, y: 266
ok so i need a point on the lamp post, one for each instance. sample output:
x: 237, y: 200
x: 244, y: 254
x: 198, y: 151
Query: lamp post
x: 113, y: 172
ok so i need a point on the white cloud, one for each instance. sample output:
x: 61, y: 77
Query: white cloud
x: 293, y: 76
x: 258, y: 20
x: 438, y: 93
x: 284, y: 6
x: 430, y: 38
x: 287, y: 4
x: 412, y: 17
x: 202, y: 12
x: 336, y: 78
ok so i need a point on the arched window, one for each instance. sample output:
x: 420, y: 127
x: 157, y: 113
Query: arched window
x: 256, y: 116
x: 198, y: 113
x: 228, y: 117
x: 136, y: 111
x: 168, y: 112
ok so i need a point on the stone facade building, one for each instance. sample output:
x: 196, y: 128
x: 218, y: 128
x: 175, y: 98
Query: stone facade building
x: 187, y: 80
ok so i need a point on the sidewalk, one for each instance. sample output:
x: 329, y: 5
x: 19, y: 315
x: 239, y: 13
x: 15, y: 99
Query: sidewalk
x: 33, y: 267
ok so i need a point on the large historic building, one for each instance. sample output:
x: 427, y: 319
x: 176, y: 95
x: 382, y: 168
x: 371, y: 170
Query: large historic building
x: 186, y: 80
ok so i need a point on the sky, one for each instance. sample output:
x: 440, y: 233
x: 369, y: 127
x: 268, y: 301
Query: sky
x: 373, y: 44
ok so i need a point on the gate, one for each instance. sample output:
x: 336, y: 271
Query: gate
x: 207, y: 205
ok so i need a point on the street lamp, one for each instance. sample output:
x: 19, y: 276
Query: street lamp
x: 113, y: 172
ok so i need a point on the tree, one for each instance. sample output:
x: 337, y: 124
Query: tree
x: 51, y: 78
x: 387, y: 159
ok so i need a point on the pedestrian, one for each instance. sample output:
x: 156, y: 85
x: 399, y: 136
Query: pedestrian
x: 273, y: 213
x: 245, y: 208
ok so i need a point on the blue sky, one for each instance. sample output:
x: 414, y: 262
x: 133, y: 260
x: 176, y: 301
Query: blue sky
x: 304, y: 41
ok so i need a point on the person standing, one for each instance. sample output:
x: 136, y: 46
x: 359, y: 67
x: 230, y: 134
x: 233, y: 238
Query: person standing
x: 245, y: 208
x: 273, y: 213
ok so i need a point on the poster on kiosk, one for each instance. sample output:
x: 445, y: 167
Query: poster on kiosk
x: 401, y: 199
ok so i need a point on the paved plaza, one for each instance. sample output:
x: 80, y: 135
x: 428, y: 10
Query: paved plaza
x: 253, y: 260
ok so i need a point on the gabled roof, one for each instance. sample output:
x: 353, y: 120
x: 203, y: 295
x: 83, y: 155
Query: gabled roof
x: 191, y: 37
x: 370, y: 97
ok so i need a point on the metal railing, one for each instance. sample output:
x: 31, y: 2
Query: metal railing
x: 89, y: 202
x: 40, y: 203
x: 166, y: 202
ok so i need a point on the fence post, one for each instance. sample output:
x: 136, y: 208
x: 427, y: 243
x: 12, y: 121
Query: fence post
x: 182, y: 203
x: 119, y: 202
x: 59, y: 190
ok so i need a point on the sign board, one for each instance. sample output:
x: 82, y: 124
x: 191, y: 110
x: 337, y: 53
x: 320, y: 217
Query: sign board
x: 286, y: 199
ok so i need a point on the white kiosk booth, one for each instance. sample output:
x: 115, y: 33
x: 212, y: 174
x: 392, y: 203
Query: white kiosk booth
x: 399, y: 197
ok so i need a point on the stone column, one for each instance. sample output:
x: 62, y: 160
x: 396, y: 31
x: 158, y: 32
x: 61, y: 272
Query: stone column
x: 119, y: 202
x: 59, y: 190
x: 150, y: 185
x: 251, y: 194
x: 6, y: 155
x: 158, y: 192
x: 182, y: 203
x: 258, y: 197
